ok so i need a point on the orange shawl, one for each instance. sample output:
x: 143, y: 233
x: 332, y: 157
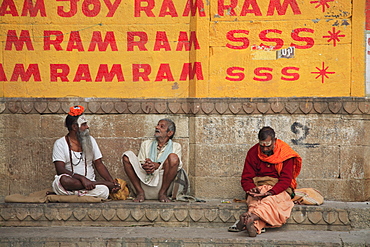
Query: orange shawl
x: 282, y: 152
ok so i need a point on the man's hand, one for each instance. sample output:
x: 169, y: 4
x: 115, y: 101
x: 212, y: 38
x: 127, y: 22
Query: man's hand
x: 150, y: 166
x: 255, y: 192
x: 113, y: 186
x: 88, y: 185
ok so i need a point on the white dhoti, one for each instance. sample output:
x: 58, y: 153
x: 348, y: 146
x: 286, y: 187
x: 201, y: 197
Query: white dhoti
x: 151, y: 184
x: 100, y: 191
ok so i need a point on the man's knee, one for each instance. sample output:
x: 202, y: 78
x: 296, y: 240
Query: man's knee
x: 173, y: 160
x: 69, y: 183
x: 125, y: 158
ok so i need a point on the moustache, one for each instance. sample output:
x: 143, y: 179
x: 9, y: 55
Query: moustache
x: 268, y: 153
x: 86, y: 132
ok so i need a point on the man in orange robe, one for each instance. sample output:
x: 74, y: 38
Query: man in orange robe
x: 268, y: 178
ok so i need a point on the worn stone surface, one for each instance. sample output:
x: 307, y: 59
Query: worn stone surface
x: 219, y: 160
x: 235, y: 106
x: 316, y: 162
x: 329, y: 133
x: 219, y: 187
x: 226, y: 130
x: 4, y: 170
x: 176, y: 237
x: 351, y: 162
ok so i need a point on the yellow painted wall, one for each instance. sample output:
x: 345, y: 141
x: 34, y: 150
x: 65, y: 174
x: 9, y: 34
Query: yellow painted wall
x: 179, y: 49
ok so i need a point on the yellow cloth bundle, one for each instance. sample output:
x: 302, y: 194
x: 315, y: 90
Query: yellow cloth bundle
x: 123, y: 193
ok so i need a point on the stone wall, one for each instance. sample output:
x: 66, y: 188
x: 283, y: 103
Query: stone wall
x: 331, y: 135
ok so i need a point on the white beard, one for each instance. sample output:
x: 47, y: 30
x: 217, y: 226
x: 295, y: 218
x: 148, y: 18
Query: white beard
x: 85, y: 140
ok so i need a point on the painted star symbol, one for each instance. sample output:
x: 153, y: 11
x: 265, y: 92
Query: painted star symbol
x: 334, y: 36
x: 322, y: 72
x: 323, y: 3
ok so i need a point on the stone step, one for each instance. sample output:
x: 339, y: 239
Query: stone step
x: 333, y: 216
x: 174, y: 236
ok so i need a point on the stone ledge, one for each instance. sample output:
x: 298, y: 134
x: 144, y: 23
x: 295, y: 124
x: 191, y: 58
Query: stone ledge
x: 193, y: 106
x: 175, y: 214
x: 175, y: 237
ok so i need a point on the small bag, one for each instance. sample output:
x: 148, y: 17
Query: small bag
x: 308, y: 196
x: 181, y: 185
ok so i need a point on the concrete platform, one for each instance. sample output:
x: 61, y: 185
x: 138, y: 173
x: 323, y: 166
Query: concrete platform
x: 186, y: 224
x: 174, y: 236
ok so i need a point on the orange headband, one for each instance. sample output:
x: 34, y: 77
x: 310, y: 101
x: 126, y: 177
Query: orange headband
x: 76, y: 110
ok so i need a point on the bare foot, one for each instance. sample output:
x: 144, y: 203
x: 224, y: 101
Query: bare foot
x: 139, y: 198
x: 241, y: 223
x: 249, y: 224
x: 163, y: 198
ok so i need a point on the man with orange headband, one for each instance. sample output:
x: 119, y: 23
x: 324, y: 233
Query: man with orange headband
x: 75, y: 156
x: 268, y: 178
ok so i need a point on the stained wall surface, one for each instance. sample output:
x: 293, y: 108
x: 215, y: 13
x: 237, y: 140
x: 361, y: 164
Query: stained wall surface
x: 180, y: 49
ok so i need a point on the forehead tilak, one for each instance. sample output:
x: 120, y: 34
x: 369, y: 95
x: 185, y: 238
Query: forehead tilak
x: 265, y: 143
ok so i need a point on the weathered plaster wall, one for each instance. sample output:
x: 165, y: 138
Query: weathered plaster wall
x: 332, y: 147
x: 331, y: 135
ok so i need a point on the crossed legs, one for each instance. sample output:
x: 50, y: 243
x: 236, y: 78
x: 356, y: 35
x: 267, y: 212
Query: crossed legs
x: 65, y: 185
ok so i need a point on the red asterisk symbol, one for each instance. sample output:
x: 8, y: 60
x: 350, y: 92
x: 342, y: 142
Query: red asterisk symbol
x: 334, y: 36
x: 322, y: 72
x: 323, y: 3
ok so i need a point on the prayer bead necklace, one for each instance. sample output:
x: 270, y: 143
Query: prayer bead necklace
x: 79, y: 158
x: 70, y: 156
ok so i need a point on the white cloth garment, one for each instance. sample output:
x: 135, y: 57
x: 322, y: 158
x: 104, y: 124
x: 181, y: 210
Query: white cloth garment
x: 100, y: 191
x: 61, y: 153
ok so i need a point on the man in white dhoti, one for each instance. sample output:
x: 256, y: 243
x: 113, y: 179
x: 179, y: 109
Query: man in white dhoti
x: 152, y: 172
x: 76, y: 157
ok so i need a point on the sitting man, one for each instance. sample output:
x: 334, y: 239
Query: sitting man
x: 74, y: 156
x: 268, y: 178
x: 152, y: 172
